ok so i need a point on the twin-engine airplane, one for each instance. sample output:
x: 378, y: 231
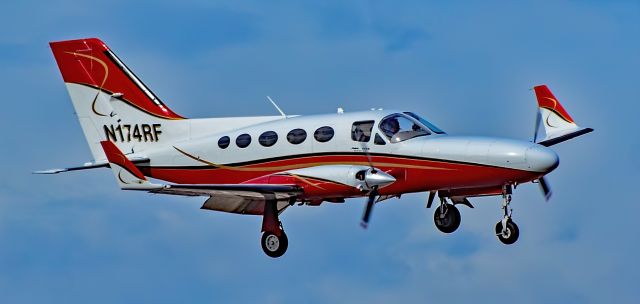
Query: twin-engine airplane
x: 263, y: 165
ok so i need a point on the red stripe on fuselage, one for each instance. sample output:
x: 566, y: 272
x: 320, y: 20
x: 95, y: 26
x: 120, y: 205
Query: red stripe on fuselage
x: 413, y: 175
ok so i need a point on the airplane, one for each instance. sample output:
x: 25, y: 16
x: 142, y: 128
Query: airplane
x: 263, y: 165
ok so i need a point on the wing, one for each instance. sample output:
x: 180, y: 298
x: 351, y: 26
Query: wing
x: 233, y: 198
x: 242, y: 199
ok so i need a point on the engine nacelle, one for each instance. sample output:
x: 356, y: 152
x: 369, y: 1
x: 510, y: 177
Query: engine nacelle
x: 363, y: 178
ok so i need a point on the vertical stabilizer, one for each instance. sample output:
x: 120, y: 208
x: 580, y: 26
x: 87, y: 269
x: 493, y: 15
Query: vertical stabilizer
x: 111, y: 102
x: 558, y: 124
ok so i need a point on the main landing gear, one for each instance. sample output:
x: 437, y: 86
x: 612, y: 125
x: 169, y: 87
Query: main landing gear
x: 273, y: 245
x: 506, y: 229
x: 274, y: 241
x: 447, y: 217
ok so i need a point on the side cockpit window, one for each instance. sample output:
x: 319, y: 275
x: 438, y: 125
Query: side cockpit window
x: 361, y: 130
x: 378, y: 140
x: 397, y: 128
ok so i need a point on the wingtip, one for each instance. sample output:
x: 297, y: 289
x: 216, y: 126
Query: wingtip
x: 49, y: 171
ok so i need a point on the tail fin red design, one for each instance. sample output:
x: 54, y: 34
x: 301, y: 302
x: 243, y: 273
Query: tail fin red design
x: 558, y: 124
x: 548, y: 101
x: 91, y: 63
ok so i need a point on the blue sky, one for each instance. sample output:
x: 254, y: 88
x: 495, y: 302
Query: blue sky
x: 467, y: 66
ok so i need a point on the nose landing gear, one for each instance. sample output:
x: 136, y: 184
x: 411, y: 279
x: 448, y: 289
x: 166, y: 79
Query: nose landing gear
x: 506, y: 229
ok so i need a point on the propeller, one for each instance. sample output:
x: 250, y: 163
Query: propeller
x: 365, y: 149
x: 374, y: 179
x: 544, y: 187
x: 369, y: 208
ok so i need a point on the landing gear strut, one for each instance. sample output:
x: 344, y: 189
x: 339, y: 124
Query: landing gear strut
x: 446, y: 217
x: 506, y: 229
x: 274, y: 241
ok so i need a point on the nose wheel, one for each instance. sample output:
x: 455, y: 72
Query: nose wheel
x: 506, y: 230
x: 446, y: 217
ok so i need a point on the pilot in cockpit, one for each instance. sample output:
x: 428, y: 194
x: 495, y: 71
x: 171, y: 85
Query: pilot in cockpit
x: 390, y: 126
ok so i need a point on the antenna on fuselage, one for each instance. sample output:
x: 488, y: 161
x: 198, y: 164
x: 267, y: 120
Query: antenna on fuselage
x: 277, y: 108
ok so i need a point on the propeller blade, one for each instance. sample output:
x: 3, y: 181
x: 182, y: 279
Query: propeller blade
x: 365, y: 149
x: 369, y: 208
x: 544, y: 187
x: 535, y: 131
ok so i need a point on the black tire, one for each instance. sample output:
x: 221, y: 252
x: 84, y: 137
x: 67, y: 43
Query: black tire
x: 448, y: 222
x: 512, y: 232
x: 274, y: 246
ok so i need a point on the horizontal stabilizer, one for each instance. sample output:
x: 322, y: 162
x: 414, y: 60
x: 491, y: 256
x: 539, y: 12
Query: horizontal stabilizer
x: 565, y: 137
x: 89, y: 165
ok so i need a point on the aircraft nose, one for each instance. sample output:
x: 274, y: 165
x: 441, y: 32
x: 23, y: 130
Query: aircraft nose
x: 541, y: 159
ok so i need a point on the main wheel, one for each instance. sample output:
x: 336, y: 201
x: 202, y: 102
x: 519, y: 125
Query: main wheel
x: 447, y: 218
x: 273, y: 245
x: 510, y: 234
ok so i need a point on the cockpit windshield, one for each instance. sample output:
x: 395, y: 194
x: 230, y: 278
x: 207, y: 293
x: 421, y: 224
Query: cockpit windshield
x: 397, y: 128
x: 426, y: 123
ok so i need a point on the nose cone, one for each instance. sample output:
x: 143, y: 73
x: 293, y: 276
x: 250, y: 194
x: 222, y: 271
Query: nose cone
x: 541, y: 159
x: 379, y: 179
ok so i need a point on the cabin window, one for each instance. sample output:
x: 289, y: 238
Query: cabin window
x: 361, y: 130
x: 378, y: 140
x: 268, y: 138
x: 296, y: 136
x: 223, y: 142
x: 397, y: 128
x: 324, y: 134
x: 243, y: 140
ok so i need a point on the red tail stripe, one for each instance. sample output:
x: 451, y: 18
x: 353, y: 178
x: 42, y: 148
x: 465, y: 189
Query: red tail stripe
x: 550, y: 102
x: 89, y: 61
x: 116, y: 157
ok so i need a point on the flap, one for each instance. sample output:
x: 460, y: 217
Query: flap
x: 237, y: 198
